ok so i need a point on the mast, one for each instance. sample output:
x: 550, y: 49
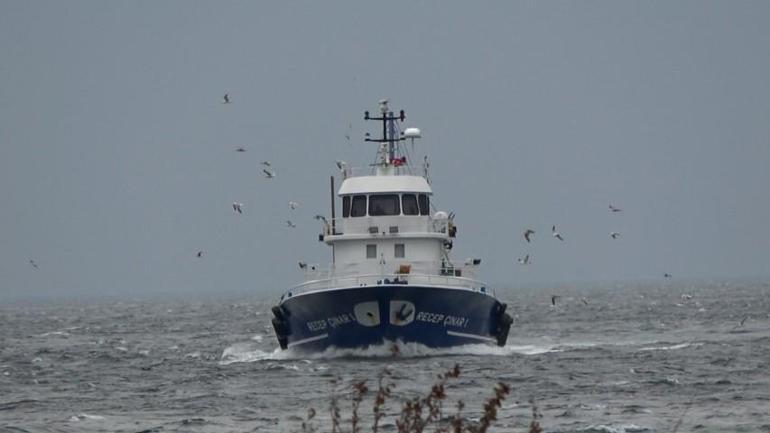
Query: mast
x: 389, y: 136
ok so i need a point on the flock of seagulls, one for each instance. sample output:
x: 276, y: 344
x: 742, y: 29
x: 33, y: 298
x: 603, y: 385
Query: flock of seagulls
x: 530, y: 233
x: 267, y: 171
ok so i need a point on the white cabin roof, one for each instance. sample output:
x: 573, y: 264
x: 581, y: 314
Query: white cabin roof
x: 384, y: 184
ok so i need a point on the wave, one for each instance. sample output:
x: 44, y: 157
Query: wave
x: 615, y: 428
x: 86, y: 417
x: 673, y: 347
x: 247, y: 352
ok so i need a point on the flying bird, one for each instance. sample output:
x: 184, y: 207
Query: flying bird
x: 240, y: 149
x: 289, y: 223
x: 265, y: 163
x: 556, y: 234
x: 293, y: 205
x: 524, y: 261
x: 238, y: 207
x: 614, y: 209
x: 200, y: 254
x: 614, y: 235
x: 34, y: 265
x: 341, y: 165
x: 528, y: 233
x: 584, y: 300
x: 743, y: 322
x: 226, y: 99
x: 269, y: 174
x: 667, y: 275
x: 553, y: 299
x: 302, y: 265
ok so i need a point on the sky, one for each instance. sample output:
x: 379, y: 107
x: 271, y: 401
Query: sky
x: 118, y: 161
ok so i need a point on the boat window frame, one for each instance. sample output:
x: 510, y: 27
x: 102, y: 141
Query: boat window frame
x: 416, y: 204
x: 346, y: 206
x: 395, y: 199
x: 373, y: 249
x: 357, y: 199
x: 423, y: 202
x: 403, y: 251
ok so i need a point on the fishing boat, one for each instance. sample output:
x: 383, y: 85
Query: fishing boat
x: 391, y: 279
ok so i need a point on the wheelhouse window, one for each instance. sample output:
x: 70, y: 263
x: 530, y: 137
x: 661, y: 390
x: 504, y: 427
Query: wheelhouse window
x: 346, y: 206
x: 400, y: 251
x: 424, y: 204
x: 409, y: 204
x: 384, y: 205
x: 358, y: 207
x: 371, y: 251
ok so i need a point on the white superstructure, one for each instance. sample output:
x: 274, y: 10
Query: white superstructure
x: 388, y: 229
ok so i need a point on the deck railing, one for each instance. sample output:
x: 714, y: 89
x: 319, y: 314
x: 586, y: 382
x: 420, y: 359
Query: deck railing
x: 389, y: 279
x: 391, y: 225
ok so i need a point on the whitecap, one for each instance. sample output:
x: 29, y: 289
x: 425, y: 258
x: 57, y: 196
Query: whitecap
x: 617, y: 428
x: 672, y: 347
x: 86, y: 417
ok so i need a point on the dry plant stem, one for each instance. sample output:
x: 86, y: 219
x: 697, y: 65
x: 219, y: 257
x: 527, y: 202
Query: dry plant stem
x: 411, y: 419
x: 334, y: 409
x: 534, y: 425
x: 383, y: 392
x: 491, y: 406
x: 359, y: 389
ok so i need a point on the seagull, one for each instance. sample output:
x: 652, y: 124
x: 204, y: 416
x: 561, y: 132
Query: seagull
x: 614, y: 209
x: 240, y: 149
x: 237, y: 207
x: 525, y: 260
x: 265, y: 163
x: 584, y: 300
x: 528, y: 233
x: 743, y: 321
x: 289, y: 223
x: 200, y: 254
x: 293, y: 204
x: 667, y: 275
x: 614, y: 235
x: 226, y: 99
x: 269, y: 173
x: 553, y: 299
x: 34, y: 265
x: 556, y: 234
x: 341, y: 165
x: 302, y: 265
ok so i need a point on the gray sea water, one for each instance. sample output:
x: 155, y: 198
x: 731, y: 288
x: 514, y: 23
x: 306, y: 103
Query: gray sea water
x: 660, y: 356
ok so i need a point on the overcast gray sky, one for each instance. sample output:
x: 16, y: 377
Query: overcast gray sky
x: 117, y: 159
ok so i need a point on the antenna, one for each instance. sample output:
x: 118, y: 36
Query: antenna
x: 389, y: 135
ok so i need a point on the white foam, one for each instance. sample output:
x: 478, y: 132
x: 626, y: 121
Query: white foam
x: 86, y: 417
x: 619, y: 428
x: 673, y: 347
x: 246, y: 352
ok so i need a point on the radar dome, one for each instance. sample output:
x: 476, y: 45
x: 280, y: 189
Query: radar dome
x: 412, y: 133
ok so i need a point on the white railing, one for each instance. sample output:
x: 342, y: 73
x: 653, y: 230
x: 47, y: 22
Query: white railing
x: 390, y: 225
x: 389, y: 279
x: 401, y: 170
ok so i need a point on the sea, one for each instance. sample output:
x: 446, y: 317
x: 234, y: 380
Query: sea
x: 646, y: 356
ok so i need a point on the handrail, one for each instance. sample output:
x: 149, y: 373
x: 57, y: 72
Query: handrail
x: 380, y: 279
x: 400, y: 170
x: 384, y: 224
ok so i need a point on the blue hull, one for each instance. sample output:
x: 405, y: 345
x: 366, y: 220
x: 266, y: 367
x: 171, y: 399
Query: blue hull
x: 358, y: 317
